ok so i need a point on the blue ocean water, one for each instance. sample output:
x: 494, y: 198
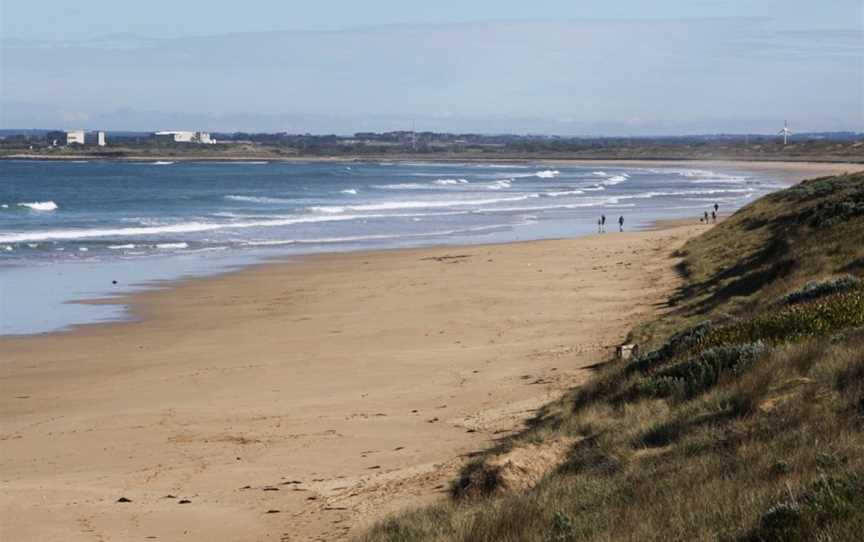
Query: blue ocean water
x: 68, y: 230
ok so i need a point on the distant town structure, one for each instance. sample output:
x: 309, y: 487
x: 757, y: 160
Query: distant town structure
x: 95, y: 138
x: 75, y: 137
x: 174, y: 136
x: 55, y: 138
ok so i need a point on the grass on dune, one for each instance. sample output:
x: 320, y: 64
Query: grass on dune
x: 744, y: 423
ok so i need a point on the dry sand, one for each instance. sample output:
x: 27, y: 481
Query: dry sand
x: 332, y: 389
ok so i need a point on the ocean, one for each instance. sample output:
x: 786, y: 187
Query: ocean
x: 77, y: 230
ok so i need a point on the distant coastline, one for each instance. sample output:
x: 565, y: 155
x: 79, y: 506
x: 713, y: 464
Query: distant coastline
x: 450, y: 158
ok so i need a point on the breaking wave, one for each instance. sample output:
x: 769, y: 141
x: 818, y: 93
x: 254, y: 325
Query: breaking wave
x: 396, y: 205
x: 39, y: 205
x: 257, y: 199
x: 547, y: 174
x: 499, y: 185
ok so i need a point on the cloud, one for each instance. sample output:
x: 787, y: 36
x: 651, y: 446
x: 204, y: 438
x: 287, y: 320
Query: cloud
x: 668, y: 74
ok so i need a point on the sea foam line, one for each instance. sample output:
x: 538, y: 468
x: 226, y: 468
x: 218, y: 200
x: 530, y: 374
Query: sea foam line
x: 185, y: 227
x: 396, y: 205
x: 196, y: 227
x: 256, y: 199
x: 39, y: 205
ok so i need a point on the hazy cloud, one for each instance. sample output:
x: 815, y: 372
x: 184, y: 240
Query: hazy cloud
x: 579, y: 76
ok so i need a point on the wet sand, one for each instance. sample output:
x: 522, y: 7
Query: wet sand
x: 303, y: 400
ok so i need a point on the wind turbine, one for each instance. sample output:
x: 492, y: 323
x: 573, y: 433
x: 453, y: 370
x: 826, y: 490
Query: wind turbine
x: 785, y: 132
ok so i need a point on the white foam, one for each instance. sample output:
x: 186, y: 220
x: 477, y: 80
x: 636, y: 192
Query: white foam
x: 39, y: 205
x: 404, y: 186
x: 434, y: 185
x: 600, y: 174
x: 83, y: 249
x: 353, y: 239
x: 162, y: 163
x: 545, y: 174
x: 5, y: 206
x: 563, y: 193
x: 726, y: 180
x: 172, y: 245
x: 615, y: 179
x: 121, y: 247
x: 396, y: 205
x: 351, y: 191
x: 256, y: 199
x: 703, y: 174
x: 183, y: 227
x: 499, y: 185
x: 649, y: 195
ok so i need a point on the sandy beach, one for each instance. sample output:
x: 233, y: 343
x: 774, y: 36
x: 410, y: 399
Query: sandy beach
x: 302, y: 400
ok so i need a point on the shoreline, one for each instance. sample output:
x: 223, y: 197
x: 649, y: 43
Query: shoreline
x: 163, y: 404
x: 832, y: 166
x: 71, y: 318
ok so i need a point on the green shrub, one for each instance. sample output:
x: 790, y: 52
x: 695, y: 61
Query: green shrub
x: 676, y: 345
x: 816, y: 289
x: 802, y: 518
x: 817, y: 318
x: 688, y: 378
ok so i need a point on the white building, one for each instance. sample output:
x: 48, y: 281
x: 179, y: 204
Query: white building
x: 95, y: 138
x: 176, y: 136
x: 75, y: 136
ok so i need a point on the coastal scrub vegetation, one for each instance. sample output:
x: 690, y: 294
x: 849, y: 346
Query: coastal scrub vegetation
x: 742, y: 421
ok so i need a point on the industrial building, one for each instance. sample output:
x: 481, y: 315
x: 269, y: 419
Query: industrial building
x: 75, y: 137
x: 95, y: 138
x: 174, y: 136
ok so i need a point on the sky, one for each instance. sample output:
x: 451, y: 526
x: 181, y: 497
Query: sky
x: 557, y: 66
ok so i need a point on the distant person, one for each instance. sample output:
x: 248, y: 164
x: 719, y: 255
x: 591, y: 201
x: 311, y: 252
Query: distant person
x: 603, y: 223
x: 713, y: 216
x: 706, y: 217
x: 716, y: 208
x: 621, y: 223
x: 599, y: 226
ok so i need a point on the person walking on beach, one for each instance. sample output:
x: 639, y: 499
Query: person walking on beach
x: 603, y: 223
x: 716, y: 208
x: 621, y: 223
x: 714, y: 216
x: 599, y: 226
x: 706, y: 217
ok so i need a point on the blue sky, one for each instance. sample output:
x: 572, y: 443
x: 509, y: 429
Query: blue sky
x: 587, y: 67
